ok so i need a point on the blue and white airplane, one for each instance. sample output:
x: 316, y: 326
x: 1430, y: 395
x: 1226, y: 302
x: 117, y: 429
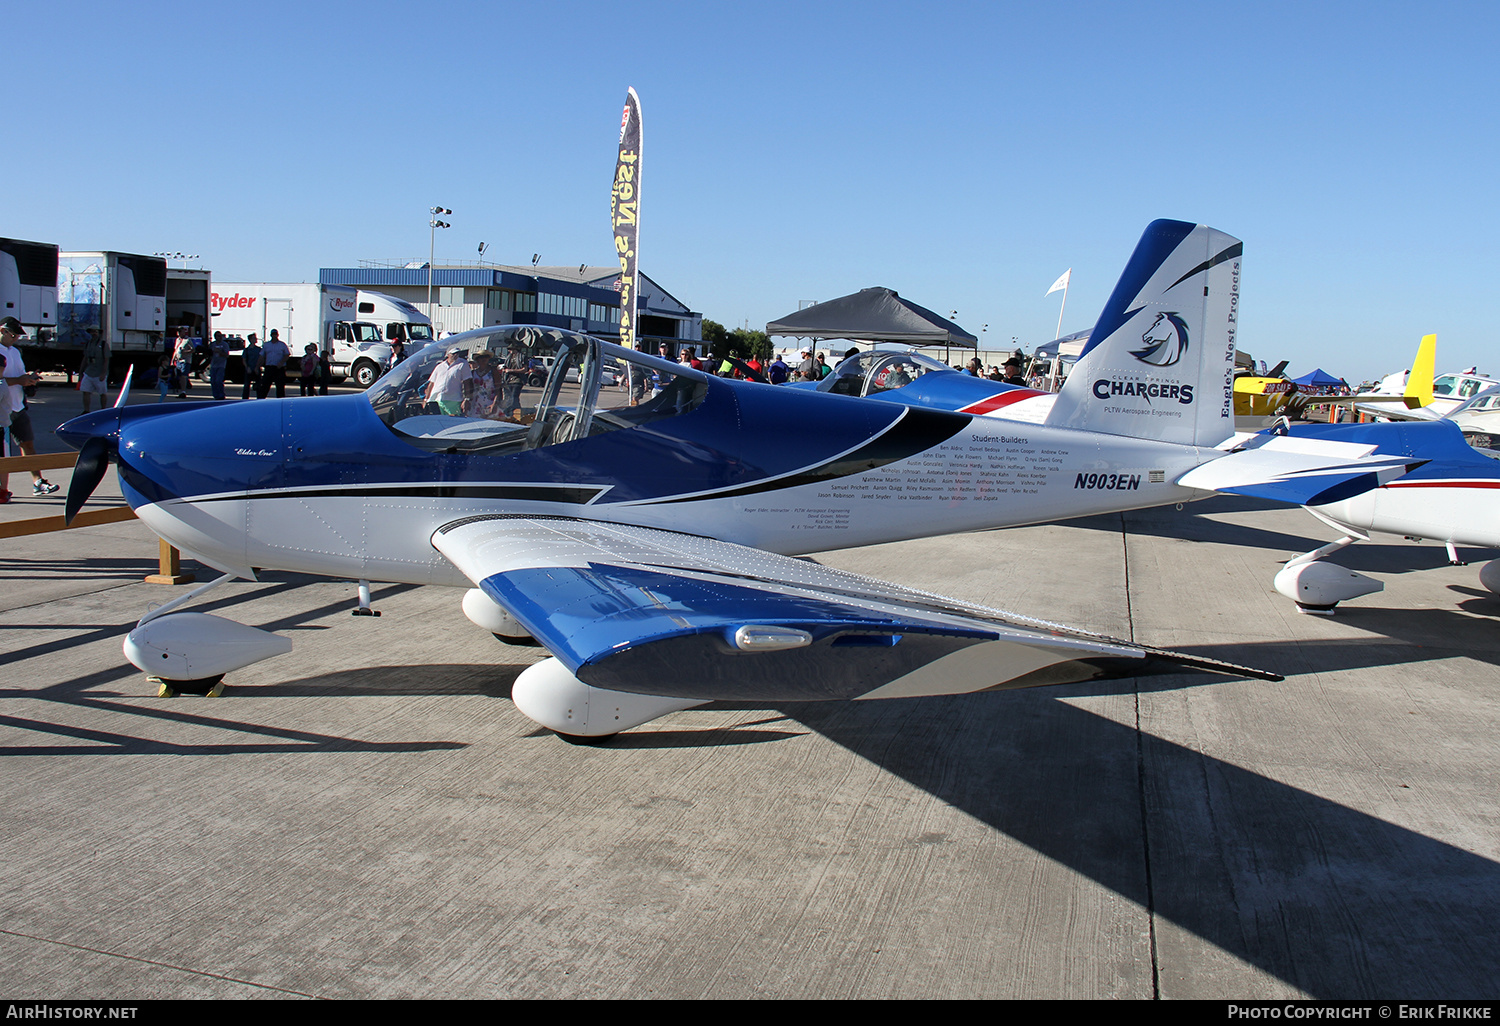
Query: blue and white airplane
x: 648, y: 547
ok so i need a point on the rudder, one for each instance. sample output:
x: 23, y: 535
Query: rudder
x: 1160, y: 362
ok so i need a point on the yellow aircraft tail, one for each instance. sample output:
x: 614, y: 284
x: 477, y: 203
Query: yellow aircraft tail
x: 1419, y: 383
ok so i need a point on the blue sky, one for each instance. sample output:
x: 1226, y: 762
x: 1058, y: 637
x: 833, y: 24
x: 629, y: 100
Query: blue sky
x: 964, y: 154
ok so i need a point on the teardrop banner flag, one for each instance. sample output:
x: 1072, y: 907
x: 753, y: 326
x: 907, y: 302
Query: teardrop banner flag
x: 625, y: 213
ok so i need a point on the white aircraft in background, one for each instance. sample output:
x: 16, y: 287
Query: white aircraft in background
x: 1479, y: 419
x: 648, y: 547
x: 1431, y: 398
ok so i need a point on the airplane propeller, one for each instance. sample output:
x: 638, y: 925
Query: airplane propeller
x: 94, y: 456
x: 93, y: 461
x: 125, y: 387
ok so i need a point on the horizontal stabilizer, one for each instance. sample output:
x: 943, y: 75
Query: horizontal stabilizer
x: 1301, y: 471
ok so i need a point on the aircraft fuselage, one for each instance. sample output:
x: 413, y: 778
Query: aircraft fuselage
x: 323, y: 486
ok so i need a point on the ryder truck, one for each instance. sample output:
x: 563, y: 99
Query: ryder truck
x: 323, y: 315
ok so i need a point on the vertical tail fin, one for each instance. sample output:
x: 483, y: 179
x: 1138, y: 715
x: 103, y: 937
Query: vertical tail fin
x: 1419, y: 383
x: 1160, y: 362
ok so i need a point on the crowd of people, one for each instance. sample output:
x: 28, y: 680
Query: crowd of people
x: 1008, y: 373
x: 265, y: 367
x: 775, y: 371
x: 269, y: 366
x: 489, y: 385
x: 479, y: 385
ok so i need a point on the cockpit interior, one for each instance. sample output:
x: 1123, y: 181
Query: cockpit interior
x: 587, y: 387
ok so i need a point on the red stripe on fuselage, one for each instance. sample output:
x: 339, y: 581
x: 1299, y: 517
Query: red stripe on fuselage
x: 999, y: 402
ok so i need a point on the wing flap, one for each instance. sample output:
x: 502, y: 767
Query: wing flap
x: 656, y: 612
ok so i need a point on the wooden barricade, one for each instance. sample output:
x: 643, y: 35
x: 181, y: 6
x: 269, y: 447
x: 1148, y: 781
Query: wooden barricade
x: 169, y: 569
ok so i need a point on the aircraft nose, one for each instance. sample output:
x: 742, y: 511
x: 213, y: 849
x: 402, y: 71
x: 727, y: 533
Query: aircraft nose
x: 99, y: 424
x: 96, y: 436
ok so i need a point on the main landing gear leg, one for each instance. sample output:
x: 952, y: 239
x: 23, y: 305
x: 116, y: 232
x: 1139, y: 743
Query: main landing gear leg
x: 1453, y: 559
x: 364, y: 602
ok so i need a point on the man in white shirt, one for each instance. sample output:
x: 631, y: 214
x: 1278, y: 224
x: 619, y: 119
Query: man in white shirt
x: 449, y: 383
x: 16, y: 379
x: 273, y: 357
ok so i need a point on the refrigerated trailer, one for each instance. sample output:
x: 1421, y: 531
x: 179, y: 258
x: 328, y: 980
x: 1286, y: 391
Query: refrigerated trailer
x: 28, y: 285
x: 136, y: 302
x: 121, y: 295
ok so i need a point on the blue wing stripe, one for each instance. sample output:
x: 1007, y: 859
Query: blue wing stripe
x: 641, y: 630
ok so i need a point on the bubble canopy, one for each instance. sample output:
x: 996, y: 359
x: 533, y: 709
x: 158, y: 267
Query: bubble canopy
x: 524, y: 386
x: 879, y: 370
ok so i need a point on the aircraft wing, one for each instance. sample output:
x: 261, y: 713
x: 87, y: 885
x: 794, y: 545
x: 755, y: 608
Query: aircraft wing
x: 656, y: 612
x: 1299, y: 470
x: 1391, y: 407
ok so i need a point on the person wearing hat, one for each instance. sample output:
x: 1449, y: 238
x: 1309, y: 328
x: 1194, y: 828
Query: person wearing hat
x: 807, y: 370
x: 309, y: 369
x: 450, y: 383
x: 273, y: 357
x: 1012, y: 369
x: 17, y: 380
x: 481, y: 400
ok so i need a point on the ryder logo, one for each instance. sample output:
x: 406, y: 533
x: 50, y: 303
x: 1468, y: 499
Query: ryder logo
x: 236, y: 301
x: 1166, y: 341
x: 338, y: 304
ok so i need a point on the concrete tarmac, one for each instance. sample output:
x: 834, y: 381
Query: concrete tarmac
x: 369, y: 817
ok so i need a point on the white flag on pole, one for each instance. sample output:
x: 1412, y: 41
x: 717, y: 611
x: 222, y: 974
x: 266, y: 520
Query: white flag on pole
x: 1061, y: 283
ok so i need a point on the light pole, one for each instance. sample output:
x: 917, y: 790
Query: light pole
x: 432, y: 226
x: 184, y: 257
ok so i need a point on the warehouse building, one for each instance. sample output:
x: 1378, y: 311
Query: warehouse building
x: 476, y: 296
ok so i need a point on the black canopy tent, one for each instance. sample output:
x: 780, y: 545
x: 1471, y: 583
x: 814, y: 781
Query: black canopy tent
x: 875, y: 315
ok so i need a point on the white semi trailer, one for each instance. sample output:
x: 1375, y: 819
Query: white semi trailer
x: 123, y: 296
x: 28, y: 284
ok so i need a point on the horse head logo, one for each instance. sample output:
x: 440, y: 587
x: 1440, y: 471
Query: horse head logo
x: 1166, y: 340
